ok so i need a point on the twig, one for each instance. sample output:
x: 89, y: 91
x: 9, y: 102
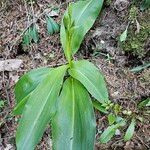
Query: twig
x: 27, y: 11
x: 6, y: 91
x: 32, y: 10
x: 142, y: 141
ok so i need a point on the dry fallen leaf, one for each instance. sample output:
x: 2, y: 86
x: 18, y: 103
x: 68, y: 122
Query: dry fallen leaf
x: 9, y: 147
x: 138, y: 27
x: 53, y: 14
x: 10, y: 64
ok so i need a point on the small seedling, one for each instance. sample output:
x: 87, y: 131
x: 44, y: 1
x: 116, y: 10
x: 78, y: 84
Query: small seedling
x: 31, y: 35
x: 115, y: 121
x: 110, y: 131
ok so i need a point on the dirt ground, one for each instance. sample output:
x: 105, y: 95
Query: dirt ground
x: 101, y: 46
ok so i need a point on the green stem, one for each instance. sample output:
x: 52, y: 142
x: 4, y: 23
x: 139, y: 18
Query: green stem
x: 69, y: 57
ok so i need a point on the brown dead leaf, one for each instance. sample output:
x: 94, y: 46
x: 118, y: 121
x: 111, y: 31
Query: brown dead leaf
x: 10, y: 64
x: 138, y: 27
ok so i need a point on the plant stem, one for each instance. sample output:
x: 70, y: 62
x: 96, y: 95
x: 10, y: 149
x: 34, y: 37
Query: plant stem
x: 69, y: 48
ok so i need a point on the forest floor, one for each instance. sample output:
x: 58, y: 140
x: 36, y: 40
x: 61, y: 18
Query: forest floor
x: 101, y: 45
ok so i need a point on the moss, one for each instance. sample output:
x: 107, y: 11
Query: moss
x: 136, y: 42
x: 146, y: 76
x: 108, y: 2
x: 133, y: 13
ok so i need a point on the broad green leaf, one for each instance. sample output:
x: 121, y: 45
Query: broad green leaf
x: 74, y: 124
x: 130, y: 131
x: 99, y: 106
x: 52, y: 26
x: 39, y: 110
x: 20, y: 106
x: 145, y: 5
x: 91, y: 78
x: 34, y: 33
x: 111, y: 118
x: 29, y: 82
x: 123, y: 36
x: 108, y: 133
x: 26, y: 85
x: 77, y: 20
x: 88, y: 11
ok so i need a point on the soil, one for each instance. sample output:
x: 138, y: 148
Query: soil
x: 101, y: 46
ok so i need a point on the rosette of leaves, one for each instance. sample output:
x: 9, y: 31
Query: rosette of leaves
x: 62, y: 96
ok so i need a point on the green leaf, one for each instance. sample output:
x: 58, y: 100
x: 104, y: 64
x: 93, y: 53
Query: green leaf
x: 108, y: 133
x: 19, y: 108
x: 123, y: 36
x: 140, y: 68
x: 148, y: 104
x: 27, y: 37
x: 99, y: 106
x: 2, y: 103
x: 52, y: 26
x: 30, y: 34
x: 34, y: 33
x: 145, y: 5
x: 91, y: 78
x: 77, y: 20
x: 111, y: 118
x: 39, y: 110
x: 29, y: 82
x: 74, y: 124
x: 144, y: 103
x: 130, y: 131
x: 121, y: 121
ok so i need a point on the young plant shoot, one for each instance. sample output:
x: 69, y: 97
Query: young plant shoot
x: 61, y: 96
